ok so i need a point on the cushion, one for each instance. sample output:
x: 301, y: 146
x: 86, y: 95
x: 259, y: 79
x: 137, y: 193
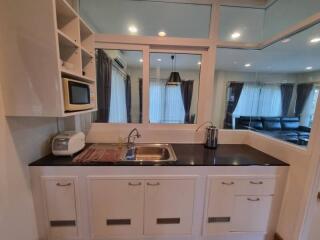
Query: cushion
x: 271, y: 123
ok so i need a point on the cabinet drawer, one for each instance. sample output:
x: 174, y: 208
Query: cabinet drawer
x: 251, y: 213
x: 61, y: 207
x: 117, y: 207
x: 255, y: 186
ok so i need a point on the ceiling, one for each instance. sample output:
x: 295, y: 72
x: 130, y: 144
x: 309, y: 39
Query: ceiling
x: 291, y: 57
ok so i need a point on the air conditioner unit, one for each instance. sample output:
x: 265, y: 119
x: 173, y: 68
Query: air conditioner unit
x: 116, y: 55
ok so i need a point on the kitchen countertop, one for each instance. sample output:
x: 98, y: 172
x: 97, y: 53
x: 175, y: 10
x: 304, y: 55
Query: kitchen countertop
x: 187, y: 155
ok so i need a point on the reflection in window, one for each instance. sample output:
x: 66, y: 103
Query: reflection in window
x: 119, y: 86
x: 174, y: 84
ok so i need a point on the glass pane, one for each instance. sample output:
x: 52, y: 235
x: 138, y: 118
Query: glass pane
x: 273, y: 91
x: 174, y: 87
x: 119, y: 86
x: 241, y: 24
x: 147, y: 18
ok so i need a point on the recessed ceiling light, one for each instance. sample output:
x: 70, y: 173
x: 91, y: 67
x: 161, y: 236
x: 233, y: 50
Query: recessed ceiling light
x: 315, y: 40
x: 286, y: 40
x: 247, y: 65
x: 141, y: 60
x: 309, y: 68
x: 162, y: 33
x: 159, y: 59
x: 199, y: 63
x: 235, y: 35
x: 133, y: 29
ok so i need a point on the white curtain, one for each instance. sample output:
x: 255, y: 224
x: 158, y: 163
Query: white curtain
x: 270, y: 101
x: 259, y: 100
x: 166, y: 105
x: 118, y: 109
x: 157, y: 101
x: 306, y: 117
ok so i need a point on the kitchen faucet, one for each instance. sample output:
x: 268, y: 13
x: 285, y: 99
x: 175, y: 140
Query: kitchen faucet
x: 131, y: 153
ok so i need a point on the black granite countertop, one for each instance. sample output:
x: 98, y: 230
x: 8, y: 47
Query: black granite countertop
x: 187, y: 155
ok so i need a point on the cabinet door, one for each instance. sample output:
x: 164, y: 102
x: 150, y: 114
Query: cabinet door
x: 168, y: 206
x: 251, y: 213
x: 220, y: 205
x: 117, y: 207
x: 61, y: 207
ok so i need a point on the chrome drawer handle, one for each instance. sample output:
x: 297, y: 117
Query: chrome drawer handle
x: 228, y: 183
x: 257, y: 183
x: 153, y: 184
x: 134, y: 184
x: 63, y: 185
x: 253, y: 200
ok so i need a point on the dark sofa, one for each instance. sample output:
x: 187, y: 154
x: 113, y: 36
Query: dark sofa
x: 284, y: 128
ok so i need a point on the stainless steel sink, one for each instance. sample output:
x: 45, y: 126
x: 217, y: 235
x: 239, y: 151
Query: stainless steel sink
x: 151, y: 153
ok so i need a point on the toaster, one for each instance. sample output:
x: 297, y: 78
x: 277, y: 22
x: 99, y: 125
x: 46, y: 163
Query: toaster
x: 68, y: 143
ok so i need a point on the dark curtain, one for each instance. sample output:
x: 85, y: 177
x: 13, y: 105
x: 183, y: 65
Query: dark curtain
x: 303, y: 92
x: 128, y: 98
x: 286, y: 95
x: 186, y: 92
x: 104, y: 76
x: 140, y: 100
x: 235, y: 89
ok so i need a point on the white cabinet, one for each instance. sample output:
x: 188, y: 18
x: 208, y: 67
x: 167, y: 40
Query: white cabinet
x: 136, y: 207
x: 60, y: 201
x: 168, y: 206
x: 117, y: 207
x: 251, y: 213
x: 239, y: 204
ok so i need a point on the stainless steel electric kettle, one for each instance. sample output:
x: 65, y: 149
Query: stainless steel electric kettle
x: 211, y: 136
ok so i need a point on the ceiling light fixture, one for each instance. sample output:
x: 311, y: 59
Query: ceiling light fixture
x: 133, y: 29
x: 141, y: 60
x: 286, y: 40
x: 162, y: 33
x: 174, y: 78
x: 235, y: 35
x: 247, y: 65
x: 309, y: 68
x: 315, y: 40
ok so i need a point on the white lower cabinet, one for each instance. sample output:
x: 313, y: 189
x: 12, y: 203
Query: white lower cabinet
x: 133, y: 207
x: 60, y: 201
x: 168, y: 207
x: 239, y: 204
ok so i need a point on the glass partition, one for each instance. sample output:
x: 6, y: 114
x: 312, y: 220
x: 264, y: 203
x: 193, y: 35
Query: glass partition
x: 174, y: 88
x: 273, y: 91
x: 147, y: 18
x: 119, y: 86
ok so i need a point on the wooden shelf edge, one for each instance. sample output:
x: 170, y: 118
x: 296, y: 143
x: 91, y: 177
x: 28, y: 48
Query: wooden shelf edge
x: 67, y: 38
x: 91, y: 55
x: 73, y: 75
x: 70, y: 8
x: 82, y: 22
x: 66, y: 114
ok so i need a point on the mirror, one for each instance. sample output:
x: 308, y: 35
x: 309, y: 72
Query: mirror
x: 119, y: 86
x: 272, y: 91
x: 174, y: 88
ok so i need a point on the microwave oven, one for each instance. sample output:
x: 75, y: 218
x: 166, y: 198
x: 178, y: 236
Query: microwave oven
x: 78, y: 95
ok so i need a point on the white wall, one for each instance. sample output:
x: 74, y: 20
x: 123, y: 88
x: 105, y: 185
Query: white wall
x: 22, y: 140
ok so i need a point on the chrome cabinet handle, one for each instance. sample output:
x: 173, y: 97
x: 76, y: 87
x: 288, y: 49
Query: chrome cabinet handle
x: 228, y: 183
x: 63, y: 185
x: 257, y: 183
x: 253, y: 200
x: 153, y: 184
x: 134, y: 184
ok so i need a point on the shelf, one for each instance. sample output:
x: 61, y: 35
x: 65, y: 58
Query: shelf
x: 66, y: 41
x: 85, y: 30
x: 73, y: 75
x: 65, y: 10
x: 68, y: 114
x: 86, y: 53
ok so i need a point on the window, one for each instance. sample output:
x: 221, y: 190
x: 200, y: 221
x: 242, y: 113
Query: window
x: 174, y: 83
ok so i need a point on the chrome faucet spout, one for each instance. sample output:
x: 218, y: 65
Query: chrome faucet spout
x: 131, y: 153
